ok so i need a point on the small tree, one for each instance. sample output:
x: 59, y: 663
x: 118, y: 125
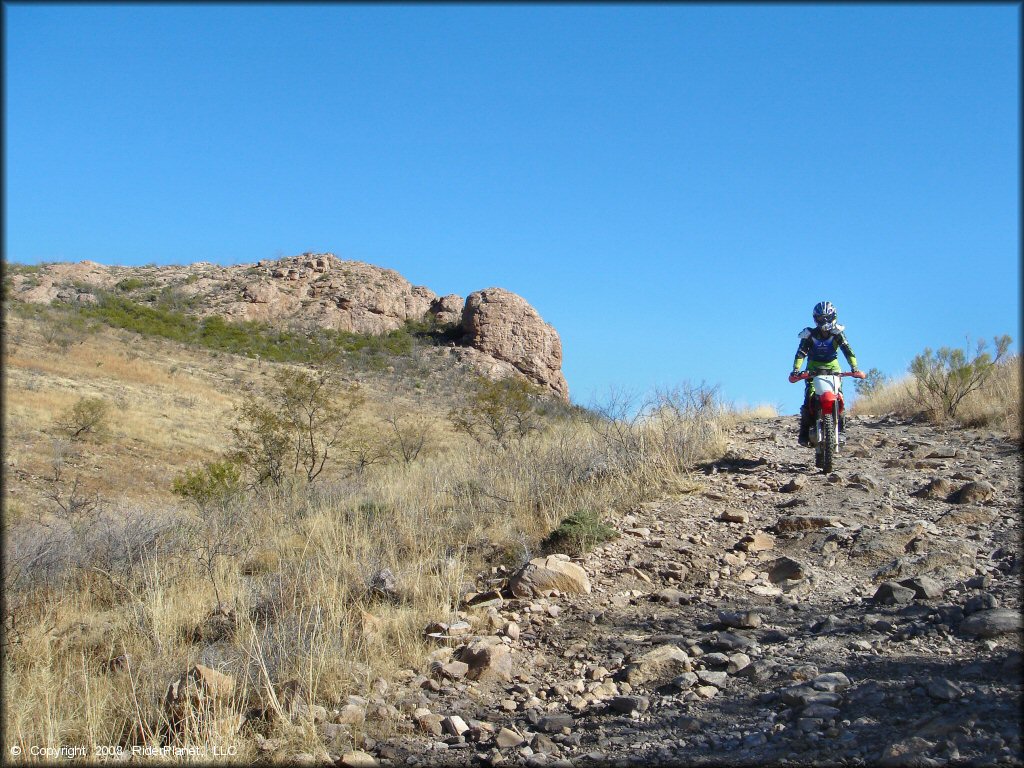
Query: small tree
x: 87, y: 416
x: 409, y: 433
x: 944, y: 378
x: 220, y: 526
x: 874, y: 381
x: 261, y: 442
x: 297, y: 427
x: 499, y: 413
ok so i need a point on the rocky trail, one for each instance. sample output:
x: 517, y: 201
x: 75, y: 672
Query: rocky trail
x: 776, y: 616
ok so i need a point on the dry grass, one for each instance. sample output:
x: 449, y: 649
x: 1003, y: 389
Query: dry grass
x: 124, y: 576
x: 742, y: 412
x: 996, y: 406
x: 167, y: 408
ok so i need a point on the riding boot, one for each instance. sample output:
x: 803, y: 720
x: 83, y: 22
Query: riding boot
x: 805, y: 426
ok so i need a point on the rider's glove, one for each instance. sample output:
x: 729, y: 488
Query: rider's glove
x: 859, y: 374
x: 794, y: 377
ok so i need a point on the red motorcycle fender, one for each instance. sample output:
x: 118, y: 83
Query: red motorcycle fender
x: 828, y: 402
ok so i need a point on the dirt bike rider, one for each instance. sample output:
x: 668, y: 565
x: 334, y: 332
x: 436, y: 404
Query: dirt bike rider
x: 821, y: 344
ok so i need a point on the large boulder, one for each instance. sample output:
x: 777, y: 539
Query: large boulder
x: 503, y: 325
x: 543, y: 574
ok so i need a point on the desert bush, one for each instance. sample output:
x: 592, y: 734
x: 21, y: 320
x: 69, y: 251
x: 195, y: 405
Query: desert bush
x: 213, y: 482
x: 657, y: 439
x: 408, y: 434
x: 88, y: 416
x: 166, y: 316
x: 129, y: 284
x: 944, y: 378
x: 499, y: 413
x: 218, y: 533
x: 578, y: 533
x: 302, y: 422
x: 874, y: 380
x: 995, y: 404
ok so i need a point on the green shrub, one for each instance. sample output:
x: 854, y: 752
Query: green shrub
x: 214, y: 481
x: 87, y: 416
x: 168, y: 314
x: 578, y: 533
x: 874, y: 381
x: 121, y: 312
x: 499, y: 413
x: 303, y: 422
x: 129, y: 284
x: 944, y: 378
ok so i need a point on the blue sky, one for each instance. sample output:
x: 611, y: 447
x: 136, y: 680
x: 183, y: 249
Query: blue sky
x: 673, y: 187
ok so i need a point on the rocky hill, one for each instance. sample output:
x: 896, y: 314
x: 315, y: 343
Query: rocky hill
x: 497, y: 331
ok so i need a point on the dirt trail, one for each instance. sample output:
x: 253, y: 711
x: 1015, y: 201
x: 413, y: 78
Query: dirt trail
x: 790, y: 654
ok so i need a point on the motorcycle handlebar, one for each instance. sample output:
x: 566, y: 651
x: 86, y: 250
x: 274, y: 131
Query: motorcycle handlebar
x: 806, y: 375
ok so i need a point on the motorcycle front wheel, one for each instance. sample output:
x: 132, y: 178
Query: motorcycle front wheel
x: 829, y: 443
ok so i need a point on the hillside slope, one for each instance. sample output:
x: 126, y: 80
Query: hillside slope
x: 751, y: 609
x: 791, y: 652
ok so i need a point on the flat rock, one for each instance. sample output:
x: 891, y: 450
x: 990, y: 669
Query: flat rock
x: 358, y: 759
x: 795, y: 484
x: 925, y: 587
x: 965, y: 517
x: 737, y: 663
x: 740, y: 619
x: 734, y: 516
x: 938, y: 488
x: 992, y: 622
x: 543, y: 574
x: 712, y: 677
x: 891, y: 593
x: 506, y: 738
x: 672, y: 596
x: 554, y: 723
x: 942, y: 689
x: 830, y: 682
x: 756, y: 542
x: 454, y: 725
x: 487, y: 661
x: 658, y: 666
x: 627, y: 705
x: 877, y: 547
x: 792, y: 523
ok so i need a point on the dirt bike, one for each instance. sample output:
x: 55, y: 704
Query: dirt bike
x: 827, y: 410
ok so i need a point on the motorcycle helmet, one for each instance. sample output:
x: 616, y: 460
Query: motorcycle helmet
x: 824, y: 315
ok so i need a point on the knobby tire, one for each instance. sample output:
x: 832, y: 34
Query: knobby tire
x: 828, y: 450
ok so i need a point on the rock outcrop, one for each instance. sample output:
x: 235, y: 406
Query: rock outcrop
x: 323, y: 290
x: 503, y: 335
x: 503, y: 325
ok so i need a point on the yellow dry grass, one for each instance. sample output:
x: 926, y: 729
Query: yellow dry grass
x: 168, y: 409
x: 996, y: 405
x: 292, y: 568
